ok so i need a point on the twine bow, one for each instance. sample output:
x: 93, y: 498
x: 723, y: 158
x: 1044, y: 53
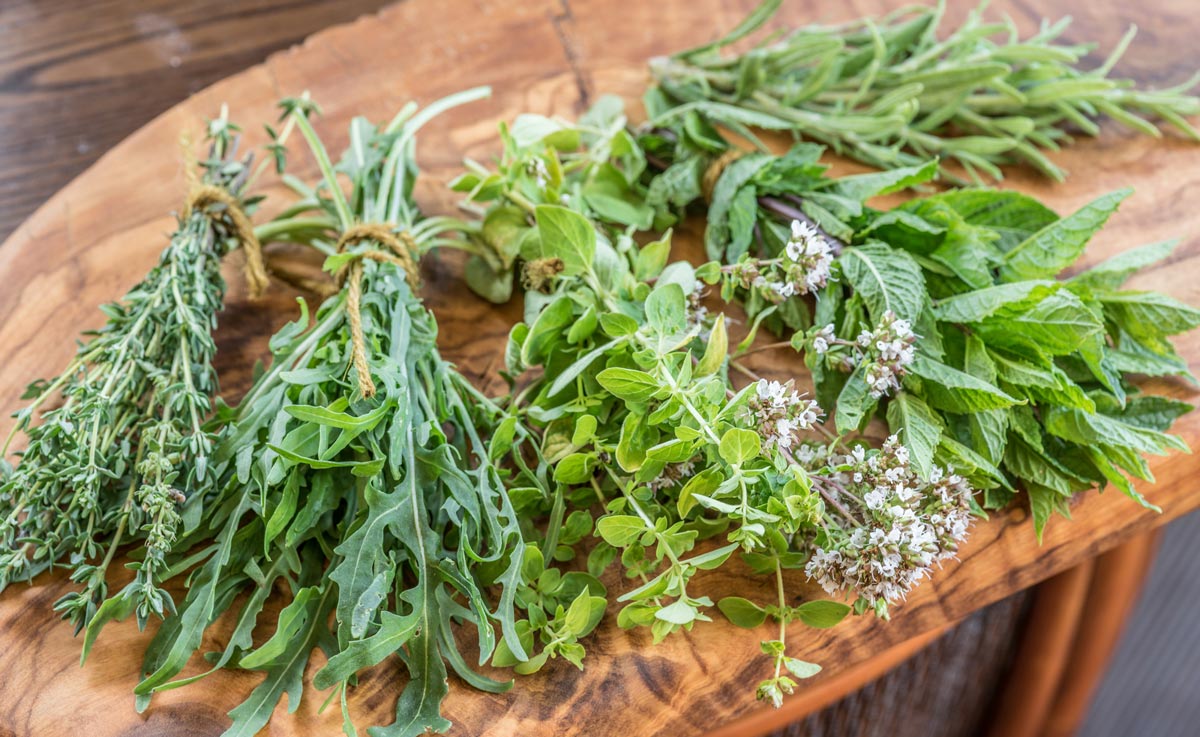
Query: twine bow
x: 400, y: 249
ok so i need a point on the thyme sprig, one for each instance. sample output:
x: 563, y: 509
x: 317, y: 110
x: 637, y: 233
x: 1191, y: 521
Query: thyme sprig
x: 893, y: 92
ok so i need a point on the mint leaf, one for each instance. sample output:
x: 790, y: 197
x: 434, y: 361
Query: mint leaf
x: 981, y: 304
x: 1153, y: 413
x: 854, y: 402
x: 919, y: 429
x: 886, y: 279
x: 1089, y: 429
x: 1011, y: 215
x: 1150, y: 314
x: 1057, y: 245
x: 1111, y: 274
x: 947, y: 388
x: 1057, y: 325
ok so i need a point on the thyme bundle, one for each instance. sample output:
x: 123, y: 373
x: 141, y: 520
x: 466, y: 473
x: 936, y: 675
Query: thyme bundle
x: 892, y: 93
x: 113, y: 462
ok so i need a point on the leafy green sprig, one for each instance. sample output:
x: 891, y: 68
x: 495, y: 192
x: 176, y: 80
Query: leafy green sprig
x: 1020, y: 378
x: 1029, y: 389
x: 890, y: 93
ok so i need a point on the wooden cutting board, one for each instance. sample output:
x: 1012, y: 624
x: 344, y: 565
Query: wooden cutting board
x: 99, y: 235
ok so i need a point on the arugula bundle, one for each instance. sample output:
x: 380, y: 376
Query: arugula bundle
x: 355, y: 474
x: 111, y: 464
x: 891, y: 93
x: 623, y: 375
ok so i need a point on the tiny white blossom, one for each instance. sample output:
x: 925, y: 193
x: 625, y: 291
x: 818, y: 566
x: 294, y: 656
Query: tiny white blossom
x: 780, y: 413
x: 905, y: 525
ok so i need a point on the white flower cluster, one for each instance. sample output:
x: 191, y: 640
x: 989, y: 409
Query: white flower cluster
x: 890, y: 350
x: 823, y: 338
x: 537, y: 167
x: 808, y: 258
x: 887, y: 351
x: 779, y: 413
x: 803, y: 267
x: 904, y: 526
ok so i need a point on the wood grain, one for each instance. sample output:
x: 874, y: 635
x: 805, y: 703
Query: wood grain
x: 96, y: 237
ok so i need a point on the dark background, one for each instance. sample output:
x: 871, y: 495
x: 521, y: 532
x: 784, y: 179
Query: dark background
x: 77, y: 77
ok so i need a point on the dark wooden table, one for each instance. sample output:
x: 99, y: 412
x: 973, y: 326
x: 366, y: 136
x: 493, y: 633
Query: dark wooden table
x: 77, y: 77
x: 76, y: 80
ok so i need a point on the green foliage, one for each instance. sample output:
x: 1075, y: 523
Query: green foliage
x: 891, y: 93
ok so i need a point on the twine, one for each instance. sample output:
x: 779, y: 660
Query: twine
x: 201, y: 196
x: 400, y: 253
x: 713, y: 172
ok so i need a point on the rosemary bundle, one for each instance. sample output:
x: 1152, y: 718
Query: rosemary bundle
x: 891, y: 93
x: 113, y: 462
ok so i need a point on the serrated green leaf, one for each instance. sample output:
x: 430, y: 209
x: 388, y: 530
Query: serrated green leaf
x: 1056, y: 246
x: 1111, y: 274
x: 886, y: 279
x: 919, y: 429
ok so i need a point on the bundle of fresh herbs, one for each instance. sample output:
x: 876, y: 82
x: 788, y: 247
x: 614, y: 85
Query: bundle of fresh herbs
x: 112, y: 463
x: 357, y: 474
x: 407, y: 514
x: 891, y: 93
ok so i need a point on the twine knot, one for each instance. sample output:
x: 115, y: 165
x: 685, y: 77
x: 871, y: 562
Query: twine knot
x: 400, y: 250
x: 202, y: 196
